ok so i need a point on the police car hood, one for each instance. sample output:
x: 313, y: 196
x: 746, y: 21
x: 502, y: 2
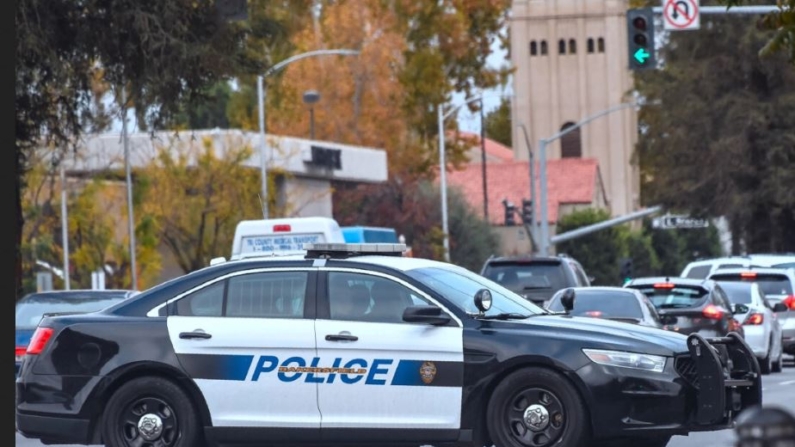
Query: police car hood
x: 616, y: 335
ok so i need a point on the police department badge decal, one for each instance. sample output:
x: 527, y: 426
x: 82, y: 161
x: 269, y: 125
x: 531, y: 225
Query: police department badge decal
x: 427, y: 372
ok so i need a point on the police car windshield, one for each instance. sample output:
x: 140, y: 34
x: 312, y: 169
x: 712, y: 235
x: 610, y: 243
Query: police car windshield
x: 459, y: 286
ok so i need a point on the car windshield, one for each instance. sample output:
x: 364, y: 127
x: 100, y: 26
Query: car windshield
x: 738, y: 292
x: 459, y: 286
x: 601, y: 304
x: 532, y: 275
x: 667, y: 296
x: 30, y: 310
x: 771, y: 284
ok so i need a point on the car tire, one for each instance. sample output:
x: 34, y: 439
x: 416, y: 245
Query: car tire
x: 765, y: 364
x: 777, y: 365
x: 552, y: 402
x: 172, y: 409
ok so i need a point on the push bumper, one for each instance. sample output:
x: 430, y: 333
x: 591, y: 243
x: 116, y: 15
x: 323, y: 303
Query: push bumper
x: 726, y: 374
x: 632, y: 404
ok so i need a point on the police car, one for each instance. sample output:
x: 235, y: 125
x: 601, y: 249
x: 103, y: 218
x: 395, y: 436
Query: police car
x: 357, y: 344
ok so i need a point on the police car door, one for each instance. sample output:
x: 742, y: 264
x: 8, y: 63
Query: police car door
x: 231, y: 335
x: 394, y: 374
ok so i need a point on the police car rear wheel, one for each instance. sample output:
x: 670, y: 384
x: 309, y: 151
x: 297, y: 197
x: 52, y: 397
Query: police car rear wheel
x: 536, y: 407
x: 150, y: 412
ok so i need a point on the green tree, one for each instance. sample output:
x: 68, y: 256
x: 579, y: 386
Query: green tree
x: 197, y: 199
x: 641, y: 250
x: 599, y: 252
x: 722, y: 146
x: 498, y: 123
x: 210, y: 113
x: 781, y: 22
x: 164, y: 52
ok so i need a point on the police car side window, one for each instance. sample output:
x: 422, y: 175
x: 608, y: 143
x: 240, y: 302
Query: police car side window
x: 267, y: 295
x: 205, y: 302
x: 369, y: 298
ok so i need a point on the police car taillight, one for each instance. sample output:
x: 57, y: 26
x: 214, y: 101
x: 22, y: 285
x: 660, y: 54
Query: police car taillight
x: 39, y: 340
x: 282, y: 228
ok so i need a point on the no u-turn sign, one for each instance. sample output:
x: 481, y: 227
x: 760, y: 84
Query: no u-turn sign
x: 681, y: 14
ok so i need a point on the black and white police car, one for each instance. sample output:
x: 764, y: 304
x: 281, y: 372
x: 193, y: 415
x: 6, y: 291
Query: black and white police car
x: 357, y: 344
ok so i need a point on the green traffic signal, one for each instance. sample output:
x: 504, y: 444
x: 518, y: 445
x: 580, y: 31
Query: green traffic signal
x: 642, y: 56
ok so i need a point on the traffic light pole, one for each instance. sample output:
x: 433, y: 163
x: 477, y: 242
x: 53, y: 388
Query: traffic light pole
x: 544, y: 241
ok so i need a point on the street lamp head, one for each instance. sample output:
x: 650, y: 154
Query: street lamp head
x: 311, y: 96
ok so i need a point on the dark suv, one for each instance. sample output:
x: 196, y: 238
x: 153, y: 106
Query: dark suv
x: 699, y: 305
x: 536, y: 278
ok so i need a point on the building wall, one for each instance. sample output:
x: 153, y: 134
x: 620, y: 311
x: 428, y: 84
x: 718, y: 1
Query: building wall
x: 553, y: 89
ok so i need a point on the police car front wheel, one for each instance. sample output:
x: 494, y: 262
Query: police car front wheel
x: 150, y: 412
x: 536, y: 407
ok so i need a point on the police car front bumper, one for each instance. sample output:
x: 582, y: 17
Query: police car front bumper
x: 702, y: 390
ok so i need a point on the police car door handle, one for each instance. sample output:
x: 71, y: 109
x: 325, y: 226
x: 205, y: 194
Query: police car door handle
x: 194, y: 334
x: 341, y: 337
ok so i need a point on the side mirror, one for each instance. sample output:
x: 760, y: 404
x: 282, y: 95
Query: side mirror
x: 425, y: 314
x: 740, y: 309
x: 780, y: 307
x: 483, y: 300
x: 567, y: 300
x: 668, y: 320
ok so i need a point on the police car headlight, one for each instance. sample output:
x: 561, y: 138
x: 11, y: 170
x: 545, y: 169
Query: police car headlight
x: 646, y: 362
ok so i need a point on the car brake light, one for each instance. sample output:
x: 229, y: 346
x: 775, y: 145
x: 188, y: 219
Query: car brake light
x: 712, y: 312
x: 748, y: 275
x: 281, y: 228
x: 754, y: 319
x: 790, y: 302
x: 664, y: 285
x: 39, y: 340
x: 20, y: 352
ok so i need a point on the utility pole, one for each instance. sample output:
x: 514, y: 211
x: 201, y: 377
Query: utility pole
x: 64, y: 227
x: 127, y: 168
x: 483, y: 163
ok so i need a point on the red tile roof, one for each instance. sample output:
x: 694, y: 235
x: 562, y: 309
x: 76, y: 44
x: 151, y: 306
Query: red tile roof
x: 497, y: 152
x: 570, y: 180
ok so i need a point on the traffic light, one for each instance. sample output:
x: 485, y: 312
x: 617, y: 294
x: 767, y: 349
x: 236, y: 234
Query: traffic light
x: 626, y: 269
x: 527, y: 211
x: 510, y: 210
x: 640, y: 37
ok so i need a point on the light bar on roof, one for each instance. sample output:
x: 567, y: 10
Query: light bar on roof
x: 356, y: 248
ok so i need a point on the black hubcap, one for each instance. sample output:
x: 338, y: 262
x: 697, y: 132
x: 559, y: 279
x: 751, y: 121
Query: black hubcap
x: 536, y: 417
x: 149, y: 422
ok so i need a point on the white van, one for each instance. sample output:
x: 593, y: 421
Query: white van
x: 283, y: 236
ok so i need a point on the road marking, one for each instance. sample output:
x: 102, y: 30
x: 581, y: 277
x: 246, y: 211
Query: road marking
x: 788, y: 382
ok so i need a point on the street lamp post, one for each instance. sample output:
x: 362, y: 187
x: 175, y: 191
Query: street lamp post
x: 127, y: 168
x: 542, y: 155
x: 443, y: 165
x: 261, y: 96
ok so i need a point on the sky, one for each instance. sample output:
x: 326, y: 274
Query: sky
x: 467, y: 121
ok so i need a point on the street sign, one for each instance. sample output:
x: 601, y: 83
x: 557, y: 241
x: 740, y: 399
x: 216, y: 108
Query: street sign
x: 669, y: 222
x: 681, y: 14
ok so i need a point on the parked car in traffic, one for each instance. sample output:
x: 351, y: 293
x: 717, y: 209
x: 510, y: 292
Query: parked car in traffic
x: 32, y: 308
x: 760, y: 322
x: 536, y: 278
x: 778, y: 285
x: 610, y: 303
x: 699, y: 305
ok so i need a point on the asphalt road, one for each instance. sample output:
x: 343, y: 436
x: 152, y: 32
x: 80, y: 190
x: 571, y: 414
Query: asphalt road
x: 778, y: 389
